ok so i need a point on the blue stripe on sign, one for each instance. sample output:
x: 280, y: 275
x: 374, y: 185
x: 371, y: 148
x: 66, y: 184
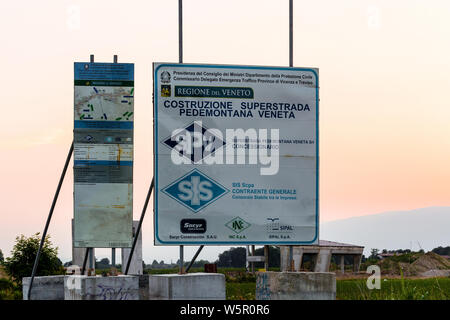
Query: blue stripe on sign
x: 102, y: 163
x: 104, y: 71
x: 80, y: 124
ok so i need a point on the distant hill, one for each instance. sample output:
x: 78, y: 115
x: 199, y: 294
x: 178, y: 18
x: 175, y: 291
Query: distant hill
x: 424, y: 228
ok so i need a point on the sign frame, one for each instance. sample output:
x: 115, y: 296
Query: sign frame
x: 156, y: 141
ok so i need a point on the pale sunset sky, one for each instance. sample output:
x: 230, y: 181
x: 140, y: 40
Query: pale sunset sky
x: 384, y: 95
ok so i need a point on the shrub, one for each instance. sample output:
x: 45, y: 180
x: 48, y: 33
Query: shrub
x: 24, y: 252
x: 9, y: 290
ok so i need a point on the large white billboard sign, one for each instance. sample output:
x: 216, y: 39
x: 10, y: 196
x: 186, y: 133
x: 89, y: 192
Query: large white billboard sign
x: 103, y: 154
x: 236, y: 154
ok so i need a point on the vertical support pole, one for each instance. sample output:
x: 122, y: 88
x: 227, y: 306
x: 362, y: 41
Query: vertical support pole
x: 266, y: 257
x: 113, y: 250
x: 113, y: 257
x: 356, y: 262
x: 291, y: 64
x: 180, y: 31
x: 253, y: 264
x: 181, y: 259
x: 90, y: 250
x: 291, y: 258
x: 247, y: 254
x: 91, y: 261
x: 86, y: 254
x: 180, y: 60
x: 291, y: 33
x: 49, y: 218
x: 138, y: 230
x: 342, y: 263
x: 195, y: 257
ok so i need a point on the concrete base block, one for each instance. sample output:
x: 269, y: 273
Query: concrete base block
x: 80, y: 287
x: 44, y: 288
x: 191, y: 286
x: 295, y: 286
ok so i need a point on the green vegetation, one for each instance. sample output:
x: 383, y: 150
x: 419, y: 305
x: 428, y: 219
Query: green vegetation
x: 356, y: 289
x: 400, y: 270
x: 444, y: 251
x: 240, y: 285
x: 241, y: 291
x: 9, y: 290
x: 162, y: 265
x: 20, y: 263
x: 395, y: 289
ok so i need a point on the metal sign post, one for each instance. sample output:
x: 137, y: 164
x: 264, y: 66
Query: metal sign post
x: 253, y: 253
x: 180, y: 31
x: 180, y: 60
x: 193, y: 259
x: 113, y: 250
x: 138, y: 230
x: 266, y: 257
x: 181, y: 261
x: 90, y: 251
x: 291, y: 64
x: 49, y: 218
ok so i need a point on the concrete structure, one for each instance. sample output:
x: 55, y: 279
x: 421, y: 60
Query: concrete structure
x: 79, y: 253
x: 101, y: 288
x: 295, y: 286
x: 136, y: 267
x: 321, y: 254
x: 251, y: 258
x: 144, y: 292
x: 44, y: 288
x: 191, y: 286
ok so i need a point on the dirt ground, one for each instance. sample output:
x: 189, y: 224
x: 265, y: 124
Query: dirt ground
x: 428, y: 265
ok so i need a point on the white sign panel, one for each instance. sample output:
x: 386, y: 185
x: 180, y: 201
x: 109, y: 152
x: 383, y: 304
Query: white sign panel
x: 236, y: 154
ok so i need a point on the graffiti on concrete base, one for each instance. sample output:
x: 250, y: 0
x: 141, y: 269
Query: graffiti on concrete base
x: 262, y: 287
x: 112, y: 293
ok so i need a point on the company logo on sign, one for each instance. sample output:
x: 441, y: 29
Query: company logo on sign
x: 195, y: 190
x: 195, y: 142
x: 238, y: 225
x: 193, y: 225
x: 273, y: 225
x: 166, y: 90
x: 165, y: 77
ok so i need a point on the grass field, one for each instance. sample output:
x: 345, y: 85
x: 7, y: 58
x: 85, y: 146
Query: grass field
x: 241, y: 286
x: 356, y: 289
x: 8, y: 289
x: 395, y: 289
